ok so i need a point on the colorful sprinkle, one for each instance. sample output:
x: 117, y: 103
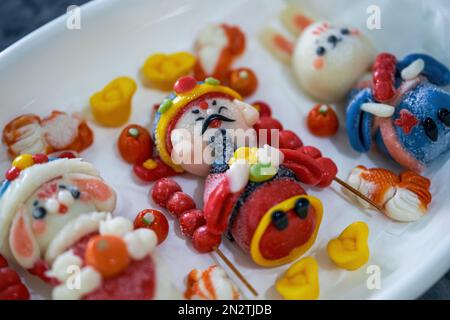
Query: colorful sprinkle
x: 212, y: 81
x: 150, y: 164
x: 40, y: 158
x: 185, y: 84
x: 165, y: 105
x: 23, y: 161
x: 66, y: 155
x: 12, y: 173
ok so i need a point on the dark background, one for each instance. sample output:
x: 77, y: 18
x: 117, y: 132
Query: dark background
x: 20, y: 17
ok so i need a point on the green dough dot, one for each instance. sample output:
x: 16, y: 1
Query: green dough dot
x: 165, y: 105
x: 212, y: 81
x: 260, y: 172
x: 133, y: 132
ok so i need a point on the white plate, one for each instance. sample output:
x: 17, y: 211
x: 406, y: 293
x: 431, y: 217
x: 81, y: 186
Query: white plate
x: 56, y: 68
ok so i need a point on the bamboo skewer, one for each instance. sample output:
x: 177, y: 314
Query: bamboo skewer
x: 359, y: 194
x: 236, y: 271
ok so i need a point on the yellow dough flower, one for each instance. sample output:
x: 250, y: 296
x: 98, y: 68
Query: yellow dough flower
x: 350, y: 250
x: 163, y: 70
x: 111, y: 107
x: 301, y: 281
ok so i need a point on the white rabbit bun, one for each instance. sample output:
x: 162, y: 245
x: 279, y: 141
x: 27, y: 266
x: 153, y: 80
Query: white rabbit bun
x: 328, y: 60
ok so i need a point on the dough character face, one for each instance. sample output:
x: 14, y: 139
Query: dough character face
x: 198, y: 133
x: 328, y: 60
x: 54, y: 204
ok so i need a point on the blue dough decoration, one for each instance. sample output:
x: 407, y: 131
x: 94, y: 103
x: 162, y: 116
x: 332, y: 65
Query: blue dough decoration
x: 429, y: 139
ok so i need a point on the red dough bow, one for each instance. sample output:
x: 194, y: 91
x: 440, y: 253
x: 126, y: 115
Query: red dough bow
x: 309, y: 166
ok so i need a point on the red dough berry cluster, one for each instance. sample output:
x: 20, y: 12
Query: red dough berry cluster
x: 11, y: 287
x: 168, y: 194
x: 383, y: 79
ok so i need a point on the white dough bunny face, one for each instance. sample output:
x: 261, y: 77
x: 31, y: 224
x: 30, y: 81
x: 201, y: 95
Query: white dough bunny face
x: 327, y: 59
x: 44, y: 199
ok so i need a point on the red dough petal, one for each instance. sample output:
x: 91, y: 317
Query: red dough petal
x: 329, y: 171
x: 305, y: 168
x: 160, y: 171
x: 289, y: 140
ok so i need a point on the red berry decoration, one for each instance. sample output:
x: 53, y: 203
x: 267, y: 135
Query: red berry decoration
x: 322, y: 121
x: 163, y: 189
x: 40, y: 158
x: 383, y: 77
x: 11, y: 287
x: 66, y: 155
x: 154, y: 220
x: 3, y: 262
x: 15, y: 292
x: 190, y: 221
x: 184, y: 84
x: 179, y: 203
x: 204, y: 241
x: 289, y: 140
x: 12, y: 173
x: 263, y: 108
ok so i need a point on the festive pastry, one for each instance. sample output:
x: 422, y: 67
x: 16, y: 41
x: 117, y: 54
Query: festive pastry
x: 322, y: 121
x: 350, y: 250
x: 55, y: 222
x: 216, y: 49
x: 210, y: 284
x: 153, y: 220
x: 404, y: 111
x: 111, y: 106
x: 187, y: 122
x: 162, y: 70
x: 60, y: 131
x: 327, y: 59
x: 40, y: 198
x: 135, y: 144
x: 243, y: 81
x: 301, y: 281
x: 404, y: 197
x: 257, y: 199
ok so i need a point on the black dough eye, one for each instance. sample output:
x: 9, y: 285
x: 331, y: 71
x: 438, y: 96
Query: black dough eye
x: 39, y: 213
x: 320, y: 51
x: 35, y: 203
x: 214, y: 102
x: 196, y: 111
x: 280, y: 220
x: 75, y: 193
x: 430, y: 129
x: 345, y: 31
x: 444, y: 116
x: 301, y: 208
x: 332, y: 39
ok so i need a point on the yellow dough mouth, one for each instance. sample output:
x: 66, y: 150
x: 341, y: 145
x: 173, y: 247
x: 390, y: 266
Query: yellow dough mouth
x: 266, y: 220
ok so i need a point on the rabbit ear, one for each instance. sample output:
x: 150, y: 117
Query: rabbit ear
x: 22, y: 242
x: 278, y: 44
x: 433, y: 70
x: 294, y: 20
